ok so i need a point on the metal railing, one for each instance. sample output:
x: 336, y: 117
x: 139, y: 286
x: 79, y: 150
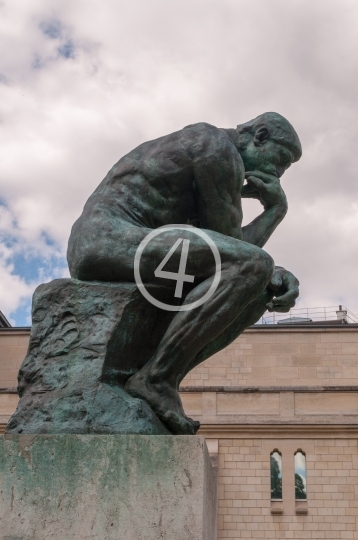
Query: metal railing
x: 305, y: 315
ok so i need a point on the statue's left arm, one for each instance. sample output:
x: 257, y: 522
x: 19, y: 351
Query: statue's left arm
x: 284, y: 285
x: 267, y: 189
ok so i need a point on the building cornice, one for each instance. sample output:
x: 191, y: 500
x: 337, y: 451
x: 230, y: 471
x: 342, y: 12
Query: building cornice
x: 269, y: 431
x: 16, y: 330
x: 266, y: 389
x: 256, y: 328
x: 286, y: 431
x: 284, y: 328
x: 246, y: 389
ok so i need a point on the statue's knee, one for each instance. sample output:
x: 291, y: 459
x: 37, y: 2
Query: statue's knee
x: 266, y: 265
x: 257, y: 265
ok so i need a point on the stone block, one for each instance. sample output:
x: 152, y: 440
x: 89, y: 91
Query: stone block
x: 247, y: 403
x: 337, y: 403
x: 87, y: 339
x: 261, y: 373
x: 283, y: 348
x: 306, y: 360
x: 282, y: 373
x: 192, y: 403
x: 113, y: 487
x: 8, y: 403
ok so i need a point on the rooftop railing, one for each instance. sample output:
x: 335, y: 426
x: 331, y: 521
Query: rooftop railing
x: 339, y: 314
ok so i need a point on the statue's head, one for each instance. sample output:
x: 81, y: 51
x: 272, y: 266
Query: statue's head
x: 268, y: 144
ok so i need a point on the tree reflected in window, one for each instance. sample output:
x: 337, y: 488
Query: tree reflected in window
x: 276, y: 475
x: 300, y: 476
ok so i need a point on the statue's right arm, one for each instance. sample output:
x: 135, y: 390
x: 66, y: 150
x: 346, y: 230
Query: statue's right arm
x: 267, y: 189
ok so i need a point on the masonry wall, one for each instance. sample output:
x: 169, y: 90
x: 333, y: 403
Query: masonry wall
x: 13, y: 348
x: 273, y: 388
x: 285, y: 389
x: 332, y: 489
x: 260, y: 357
x: 283, y: 356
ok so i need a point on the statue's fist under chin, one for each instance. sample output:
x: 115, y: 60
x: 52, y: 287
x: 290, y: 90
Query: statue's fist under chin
x: 266, y: 188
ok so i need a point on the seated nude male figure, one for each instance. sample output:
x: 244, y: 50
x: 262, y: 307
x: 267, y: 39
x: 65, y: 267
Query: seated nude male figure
x: 193, y: 176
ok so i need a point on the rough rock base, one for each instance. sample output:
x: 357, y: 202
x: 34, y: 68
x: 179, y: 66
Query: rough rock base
x: 106, y: 487
x: 87, y: 339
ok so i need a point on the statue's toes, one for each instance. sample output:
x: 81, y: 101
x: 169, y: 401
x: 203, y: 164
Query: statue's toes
x: 178, y: 424
x: 195, y: 423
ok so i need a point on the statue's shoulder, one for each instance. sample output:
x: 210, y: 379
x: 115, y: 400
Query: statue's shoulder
x: 208, y: 139
x: 204, y: 132
x: 202, y: 127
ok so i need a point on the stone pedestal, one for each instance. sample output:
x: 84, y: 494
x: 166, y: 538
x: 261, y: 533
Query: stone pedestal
x: 106, y: 487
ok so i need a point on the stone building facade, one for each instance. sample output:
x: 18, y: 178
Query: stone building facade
x: 281, y: 390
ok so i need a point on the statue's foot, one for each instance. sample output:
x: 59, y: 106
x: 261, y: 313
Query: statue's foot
x: 165, y: 401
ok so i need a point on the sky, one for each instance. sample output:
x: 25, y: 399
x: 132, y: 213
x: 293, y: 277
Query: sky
x: 82, y: 83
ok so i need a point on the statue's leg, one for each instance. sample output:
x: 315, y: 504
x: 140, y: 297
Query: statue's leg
x: 246, y: 272
x: 249, y: 316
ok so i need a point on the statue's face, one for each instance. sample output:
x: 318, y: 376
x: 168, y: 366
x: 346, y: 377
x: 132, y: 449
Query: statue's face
x: 269, y: 157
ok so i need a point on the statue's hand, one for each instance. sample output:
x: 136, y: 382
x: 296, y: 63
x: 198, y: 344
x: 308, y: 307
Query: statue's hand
x: 266, y: 188
x: 285, y: 287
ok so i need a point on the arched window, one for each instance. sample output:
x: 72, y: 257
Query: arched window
x: 276, y: 475
x: 300, y: 476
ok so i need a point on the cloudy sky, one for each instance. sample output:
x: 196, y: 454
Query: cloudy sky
x: 83, y: 82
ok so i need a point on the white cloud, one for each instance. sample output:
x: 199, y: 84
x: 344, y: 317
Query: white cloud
x: 81, y: 83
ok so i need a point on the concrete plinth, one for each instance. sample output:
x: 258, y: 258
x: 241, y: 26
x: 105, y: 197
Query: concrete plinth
x: 106, y: 487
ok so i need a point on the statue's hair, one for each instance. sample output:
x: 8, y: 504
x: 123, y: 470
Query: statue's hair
x: 279, y: 128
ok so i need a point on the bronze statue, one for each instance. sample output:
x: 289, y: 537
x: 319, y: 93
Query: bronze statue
x: 194, y: 176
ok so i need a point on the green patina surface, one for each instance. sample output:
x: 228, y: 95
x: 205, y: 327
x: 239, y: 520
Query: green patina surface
x: 102, y: 358
x: 83, y: 347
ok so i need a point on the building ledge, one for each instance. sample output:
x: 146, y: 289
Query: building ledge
x: 16, y: 330
x: 328, y: 326
x: 267, y: 389
x: 307, y: 327
x: 277, y: 431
